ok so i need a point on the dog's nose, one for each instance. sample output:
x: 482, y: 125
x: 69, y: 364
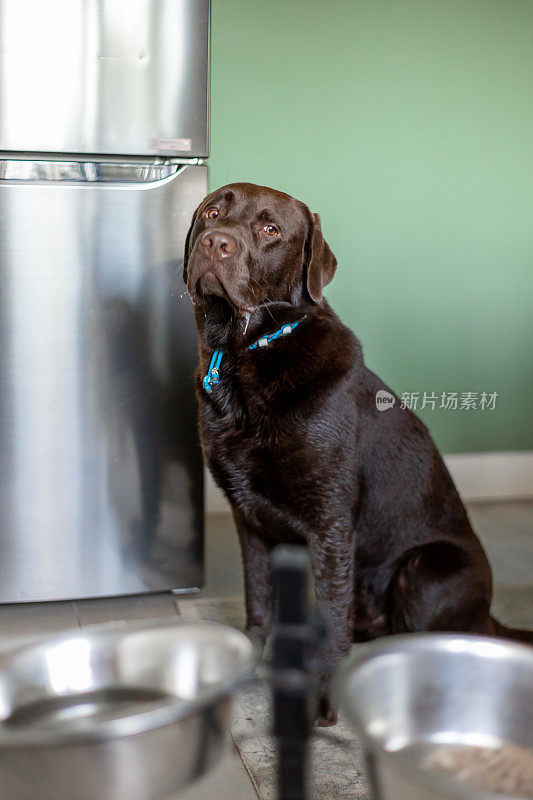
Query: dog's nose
x: 218, y: 245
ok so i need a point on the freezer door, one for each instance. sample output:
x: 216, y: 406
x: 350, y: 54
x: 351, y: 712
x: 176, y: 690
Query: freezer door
x: 104, y: 76
x: 101, y: 481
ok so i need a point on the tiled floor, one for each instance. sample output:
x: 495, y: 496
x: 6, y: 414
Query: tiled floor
x: 505, y: 530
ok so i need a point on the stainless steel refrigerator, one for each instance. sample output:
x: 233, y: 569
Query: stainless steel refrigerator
x: 103, y: 139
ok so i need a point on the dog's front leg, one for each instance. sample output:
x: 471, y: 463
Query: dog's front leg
x: 332, y: 557
x: 257, y: 586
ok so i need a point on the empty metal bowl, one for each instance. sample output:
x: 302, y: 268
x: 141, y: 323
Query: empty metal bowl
x: 118, y: 712
x: 409, y: 695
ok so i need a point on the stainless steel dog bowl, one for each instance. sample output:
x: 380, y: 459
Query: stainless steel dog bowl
x: 408, y: 695
x: 117, y: 712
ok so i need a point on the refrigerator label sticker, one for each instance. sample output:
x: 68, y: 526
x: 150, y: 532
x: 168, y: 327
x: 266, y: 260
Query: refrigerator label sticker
x: 169, y: 144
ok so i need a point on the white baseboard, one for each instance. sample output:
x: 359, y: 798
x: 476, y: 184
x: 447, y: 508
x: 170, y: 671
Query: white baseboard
x: 478, y: 476
x: 492, y: 476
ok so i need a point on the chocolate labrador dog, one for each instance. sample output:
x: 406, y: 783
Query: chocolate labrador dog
x: 291, y: 433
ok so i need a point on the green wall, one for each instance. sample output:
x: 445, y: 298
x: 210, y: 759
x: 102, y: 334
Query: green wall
x: 408, y: 125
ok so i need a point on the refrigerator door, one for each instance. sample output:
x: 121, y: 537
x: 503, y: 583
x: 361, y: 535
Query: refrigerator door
x: 101, y: 482
x: 104, y: 76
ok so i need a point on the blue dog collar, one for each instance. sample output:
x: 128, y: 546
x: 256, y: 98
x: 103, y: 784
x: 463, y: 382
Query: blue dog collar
x: 212, y: 375
x: 283, y: 331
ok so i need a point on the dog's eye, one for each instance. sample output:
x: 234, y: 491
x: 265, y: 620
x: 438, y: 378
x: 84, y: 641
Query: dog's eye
x: 212, y: 213
x: 271, y: 230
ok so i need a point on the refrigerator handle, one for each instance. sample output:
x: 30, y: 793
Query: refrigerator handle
x: 112, y: 173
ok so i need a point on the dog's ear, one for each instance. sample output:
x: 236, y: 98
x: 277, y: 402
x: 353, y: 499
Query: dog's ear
x: 320, y: 263
x: 186, y: 248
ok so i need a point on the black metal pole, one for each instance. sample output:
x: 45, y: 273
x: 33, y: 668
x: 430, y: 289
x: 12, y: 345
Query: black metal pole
x: 293, y: 685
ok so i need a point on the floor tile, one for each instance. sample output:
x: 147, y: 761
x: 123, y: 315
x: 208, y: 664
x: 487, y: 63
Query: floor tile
x: 144, y: 606
x: 229, y: 780
x: 229, y: 610
x: 21, y: 623
x: 506, y: 532
x: 513, y: 605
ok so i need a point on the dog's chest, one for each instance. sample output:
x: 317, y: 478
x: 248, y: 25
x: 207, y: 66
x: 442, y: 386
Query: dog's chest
x: 261, y: 462
x: 243, y: 446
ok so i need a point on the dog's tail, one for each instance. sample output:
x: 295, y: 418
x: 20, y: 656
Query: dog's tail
x: 516, y: 634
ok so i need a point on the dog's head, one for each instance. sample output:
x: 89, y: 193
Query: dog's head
x: 253, y: 245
